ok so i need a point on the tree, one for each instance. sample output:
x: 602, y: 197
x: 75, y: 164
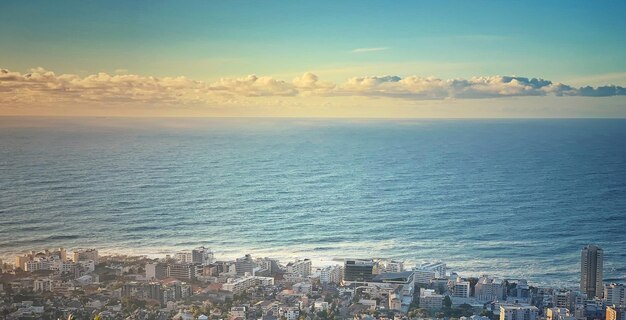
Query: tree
x: 447, y: 302
x: 488, y: 313
x: 466, y: 310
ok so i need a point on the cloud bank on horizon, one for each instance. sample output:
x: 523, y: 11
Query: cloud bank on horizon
x: 43, y: 86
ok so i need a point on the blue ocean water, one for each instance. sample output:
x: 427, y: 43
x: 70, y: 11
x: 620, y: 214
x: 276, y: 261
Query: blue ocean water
x: 511, y: 198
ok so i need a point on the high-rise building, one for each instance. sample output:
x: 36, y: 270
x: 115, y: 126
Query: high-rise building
x: 591, y: 262
x: 355, y: 270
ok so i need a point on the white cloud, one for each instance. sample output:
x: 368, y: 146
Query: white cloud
x: 41, y: 86
x: 253, y: 86
x: 361, y: 50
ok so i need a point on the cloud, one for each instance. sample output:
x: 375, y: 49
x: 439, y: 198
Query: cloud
x: 604, y: 91
x: 253, y: 86
x: 361, y: 50
x: 41, y: 86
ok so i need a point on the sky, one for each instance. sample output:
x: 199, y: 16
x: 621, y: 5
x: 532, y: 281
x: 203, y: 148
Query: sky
x: 476, y: 59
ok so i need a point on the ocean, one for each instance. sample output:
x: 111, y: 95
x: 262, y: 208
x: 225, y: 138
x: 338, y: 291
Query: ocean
x: 508, y: 198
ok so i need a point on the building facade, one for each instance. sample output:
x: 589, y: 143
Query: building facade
x: 591, y: 272
x: 614, y: 294
x: 300, y: 267
x: 358, y: 270
x: 519, y: 313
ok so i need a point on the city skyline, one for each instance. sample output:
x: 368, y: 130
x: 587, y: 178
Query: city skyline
x: 320, y: 160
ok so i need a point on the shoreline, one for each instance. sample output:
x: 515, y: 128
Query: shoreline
x: 318, y: 261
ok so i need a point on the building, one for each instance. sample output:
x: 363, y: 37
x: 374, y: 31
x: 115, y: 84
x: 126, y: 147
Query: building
x: 615, y: 313
x: 300, y: 267
x: 46, y: 256
x: 331, y: 274
x: 302, y: 288
x: 20, y: 261
x: 460, y: 288
x: 176, y: 290
x: 355, y: 270
x: 156, y: 271
x: 429, y: 299
x: 519, y: 313
x: 85, y: 255
x: 488, y: 289
x: 423, y: 276
x: 245, y: 265
x: 184, y: 256
x: 559, y: 314
x: 181, y: 271
x: 237, y: 312
x: 40, y: 285
x: 564, y: 299
x: 591, y: 264
x: 202, y: 255
x: 591, y: 309
x: 238, y: 285
x: 394, y: 266
x: 271, y: 265
x: 425, y: 272
x: 439, y: 268
x: 614, y: 294
x: 522, y: 291
x: 290, y: 313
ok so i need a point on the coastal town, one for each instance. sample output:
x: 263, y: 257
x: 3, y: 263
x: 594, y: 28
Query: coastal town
x: 193, y: 284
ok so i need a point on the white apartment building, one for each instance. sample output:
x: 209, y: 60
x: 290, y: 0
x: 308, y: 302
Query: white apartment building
x: 519, y: 312
x: 331, y: 274
x: 461, y: 288
x: 439, y: 268
x: 423, y: 276
x: 429, y: 299
x: 238, y: 285
x: 394, y: 266
x: 488, y: 289
x: 185, y: 256
x: 300, y: 267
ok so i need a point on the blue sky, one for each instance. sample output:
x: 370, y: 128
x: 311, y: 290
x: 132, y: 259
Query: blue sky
x: 574, y: 42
